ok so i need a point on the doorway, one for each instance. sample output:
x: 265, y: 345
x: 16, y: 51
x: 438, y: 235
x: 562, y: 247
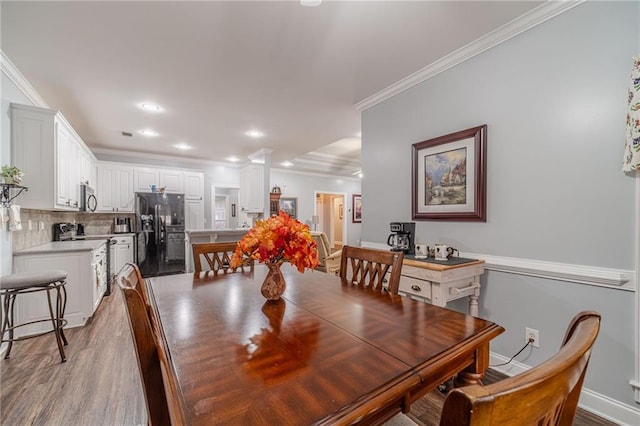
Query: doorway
x: 330, y: 209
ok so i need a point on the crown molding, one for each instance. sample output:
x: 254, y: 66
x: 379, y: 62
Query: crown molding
x: 141, y: 156
x: 534, y: 17
x: 20, y: 81
x: 331, y: 175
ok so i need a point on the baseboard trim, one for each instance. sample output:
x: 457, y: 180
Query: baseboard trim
x: 591, y: 401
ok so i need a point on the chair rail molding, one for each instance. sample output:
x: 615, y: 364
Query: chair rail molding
x: 590, y: 275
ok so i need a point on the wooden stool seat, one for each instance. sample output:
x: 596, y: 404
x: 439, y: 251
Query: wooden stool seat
x: 30, y: 282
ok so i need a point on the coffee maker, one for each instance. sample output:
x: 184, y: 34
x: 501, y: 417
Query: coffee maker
x: 402, y: 237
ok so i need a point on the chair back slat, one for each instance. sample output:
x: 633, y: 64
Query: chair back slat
x: 544, y: 395
x: 217, y: 256
x: 370, y: 268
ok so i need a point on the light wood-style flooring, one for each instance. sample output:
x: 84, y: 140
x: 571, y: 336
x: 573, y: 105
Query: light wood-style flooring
x: 100, y: 384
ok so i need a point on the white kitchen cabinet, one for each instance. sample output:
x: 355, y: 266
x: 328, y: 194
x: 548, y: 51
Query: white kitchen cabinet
x: 121, y: 253
x: 194, y: 185
x: 252, y: 193
x: 144, y: 178
x: 115, y: 188
x: 84, y: 289
x: 194, y: 213
x: 172, y: 181
x: 47, y: 150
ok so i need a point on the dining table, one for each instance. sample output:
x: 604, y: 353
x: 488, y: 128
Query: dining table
x: 327, y: 352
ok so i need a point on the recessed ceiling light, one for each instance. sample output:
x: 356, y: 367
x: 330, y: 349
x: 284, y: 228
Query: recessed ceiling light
x: 233, y: 159
x: 148, y: 132
x: 310, y: 3
x: 183, y: 146
x: 255, y: 133
x: 286, y: 164
x: 150, y: 107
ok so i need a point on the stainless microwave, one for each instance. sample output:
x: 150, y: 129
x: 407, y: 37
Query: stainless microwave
x: 88, y: 200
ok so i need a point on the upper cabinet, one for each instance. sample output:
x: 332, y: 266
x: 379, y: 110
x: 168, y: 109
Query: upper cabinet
x: 115, y: 188
x: 251, y: 195
x: 171, y: 181
x: 194, y: 185
x: 44, y: 146
x: 144, y: 178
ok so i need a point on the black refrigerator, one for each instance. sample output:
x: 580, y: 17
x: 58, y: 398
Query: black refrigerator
x: 159, y: 233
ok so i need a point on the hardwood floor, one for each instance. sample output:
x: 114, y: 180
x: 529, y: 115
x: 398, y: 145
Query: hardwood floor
x: 100, y: 384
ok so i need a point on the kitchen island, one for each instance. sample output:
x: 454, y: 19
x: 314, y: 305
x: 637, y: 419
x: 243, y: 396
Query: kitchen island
x: 195, y: 236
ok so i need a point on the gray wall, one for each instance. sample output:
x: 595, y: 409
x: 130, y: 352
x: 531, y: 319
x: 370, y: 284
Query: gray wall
x: 554, y: 101
x: 303, y: 186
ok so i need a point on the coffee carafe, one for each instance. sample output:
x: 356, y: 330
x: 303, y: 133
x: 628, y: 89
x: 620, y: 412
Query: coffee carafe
x: 402, y: 237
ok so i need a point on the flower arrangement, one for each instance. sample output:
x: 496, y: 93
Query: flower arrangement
x: 276, y: 240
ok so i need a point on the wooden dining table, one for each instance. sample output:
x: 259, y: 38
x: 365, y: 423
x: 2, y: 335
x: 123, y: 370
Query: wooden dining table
x: 328, y: 352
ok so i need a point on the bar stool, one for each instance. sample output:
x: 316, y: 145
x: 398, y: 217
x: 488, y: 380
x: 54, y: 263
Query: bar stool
x: 30, y: 282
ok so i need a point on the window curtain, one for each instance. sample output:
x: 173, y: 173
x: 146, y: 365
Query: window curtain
x: 631, y: 160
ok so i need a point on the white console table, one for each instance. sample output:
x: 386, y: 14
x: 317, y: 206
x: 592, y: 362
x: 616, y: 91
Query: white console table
x: 441, y: 283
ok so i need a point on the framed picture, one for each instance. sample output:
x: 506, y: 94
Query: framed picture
x: 448, y: 177
x: 357, y: 208
x: 290, y: 206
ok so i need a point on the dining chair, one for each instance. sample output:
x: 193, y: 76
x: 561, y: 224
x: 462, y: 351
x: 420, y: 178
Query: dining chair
x: 329, y: 262
x: 369, y: 267
x: 217, y: 256
x: 161, y: 395
x: 544, y: 395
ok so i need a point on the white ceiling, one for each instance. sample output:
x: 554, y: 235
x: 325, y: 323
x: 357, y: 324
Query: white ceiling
x: 219, y: 69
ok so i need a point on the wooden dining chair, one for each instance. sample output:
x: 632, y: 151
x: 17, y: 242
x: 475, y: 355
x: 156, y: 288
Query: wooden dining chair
x: 217, y: 255
x: 544, y: 395
x: 369, y: 268
x: 161, y: 394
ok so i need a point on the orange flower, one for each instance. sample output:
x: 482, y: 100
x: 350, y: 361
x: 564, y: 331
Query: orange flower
x: 278, y: 239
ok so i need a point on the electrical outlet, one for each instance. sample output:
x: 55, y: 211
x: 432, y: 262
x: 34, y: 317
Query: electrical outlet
x: 41, y: 226
x: 532, y: 334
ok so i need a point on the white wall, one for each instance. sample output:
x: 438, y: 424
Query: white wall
x: 304, y: 185
x: 554, y: 100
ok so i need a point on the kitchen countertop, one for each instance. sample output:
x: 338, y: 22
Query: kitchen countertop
x: 197, y: 232
x: 103, y: 236
x: 62, y: 246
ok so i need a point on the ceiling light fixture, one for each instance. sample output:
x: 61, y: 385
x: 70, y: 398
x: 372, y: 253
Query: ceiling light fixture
x: 233, y: 159
x: 255, y: 133
x: 148, y: 133
x: 286, y: 164
x: 310, y: 3
x: 150, y: 107
x: 183, y: 146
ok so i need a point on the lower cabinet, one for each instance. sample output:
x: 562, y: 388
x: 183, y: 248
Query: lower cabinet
x: 84, y: 290
x: 121, y: 253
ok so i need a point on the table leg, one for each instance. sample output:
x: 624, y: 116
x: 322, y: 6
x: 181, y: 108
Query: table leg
x: 473, y: 374
x: 473, y: 298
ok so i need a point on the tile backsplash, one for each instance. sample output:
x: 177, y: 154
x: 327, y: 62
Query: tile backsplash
x: 94, y: 223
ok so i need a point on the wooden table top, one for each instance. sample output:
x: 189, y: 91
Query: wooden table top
x: 326, y: 353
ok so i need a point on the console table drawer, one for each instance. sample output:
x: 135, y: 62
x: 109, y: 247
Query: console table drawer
x: 416, y: 287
